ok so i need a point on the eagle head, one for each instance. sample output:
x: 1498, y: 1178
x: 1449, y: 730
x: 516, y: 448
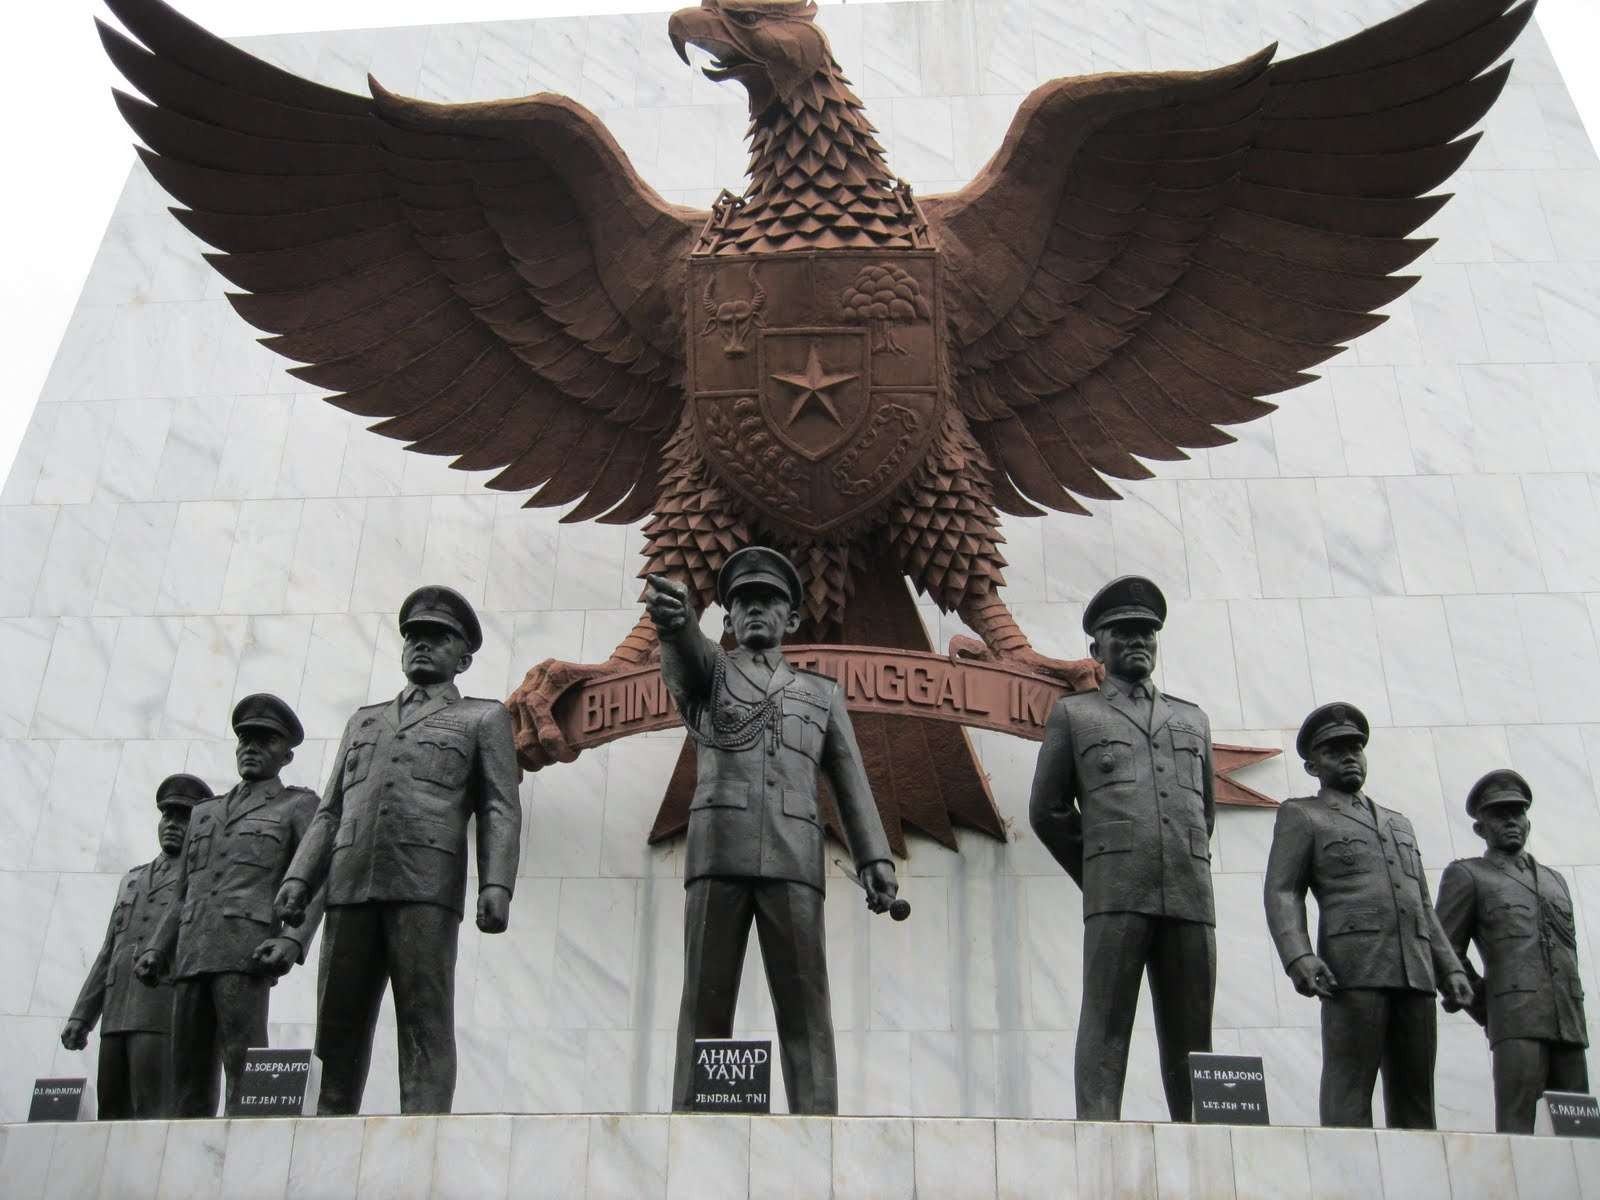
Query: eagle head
x: 771, y: 46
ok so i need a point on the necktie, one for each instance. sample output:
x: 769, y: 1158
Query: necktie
x: 412, y: 698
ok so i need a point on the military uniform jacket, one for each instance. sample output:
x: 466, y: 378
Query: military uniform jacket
x: 234, y: 857
x: 110, y: 993
x: 754, y: 812
x: 1377, y: 927
x: 1525, y: 934
x: 1122, y: 796
x: 392, y: 825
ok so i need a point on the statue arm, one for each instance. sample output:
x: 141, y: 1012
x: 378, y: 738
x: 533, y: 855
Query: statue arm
x: 305, y: 824
x: 315, y: 853
x: 499, y: 807
x: 1447, y: 959
x: 841, y: 759
x: 688, y: 660
x: 1208, y: 784
x: 1053, y: 804
x: 92, y: 997
x: 1288, y: 878
x: 164, y: 941
x: 1457, y: 915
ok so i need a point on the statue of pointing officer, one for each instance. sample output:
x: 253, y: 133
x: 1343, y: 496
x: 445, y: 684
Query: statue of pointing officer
x: 755, y: 844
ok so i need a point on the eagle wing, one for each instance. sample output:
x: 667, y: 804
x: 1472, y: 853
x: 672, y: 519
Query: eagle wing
x: 1149, y: 254
x: 492, y: 282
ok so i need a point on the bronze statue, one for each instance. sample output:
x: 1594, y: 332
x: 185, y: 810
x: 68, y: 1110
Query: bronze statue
x: 1519, y: 912
x: 1380, y: 949
x: 134, y: 1073
x: 390, y: 839
x: 861, y: 377
x: 1122, y: 798
x: 762, y: 730
x: 219, y: 936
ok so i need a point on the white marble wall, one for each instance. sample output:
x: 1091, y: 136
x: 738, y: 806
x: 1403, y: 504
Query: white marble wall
x: 1416, y: 532
x: 657, y: 1157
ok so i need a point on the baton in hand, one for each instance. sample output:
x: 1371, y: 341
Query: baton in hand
x: 900, y: 909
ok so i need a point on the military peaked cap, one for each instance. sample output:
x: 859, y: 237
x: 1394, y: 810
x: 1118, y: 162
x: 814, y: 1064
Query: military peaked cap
x: 1504, y: 786
x: 1127, y: 598
x: 758, y: 564
x: 265, y: 710
x: 437, y: 605
x: 1335, y: 720
x: 181, y: 791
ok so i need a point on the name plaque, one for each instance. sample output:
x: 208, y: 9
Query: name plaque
x: 59, y: 1100
x: 1567, y: 1114
x: 277, y: 1083
x: 732, y: 1076
x: 1229, y: 1089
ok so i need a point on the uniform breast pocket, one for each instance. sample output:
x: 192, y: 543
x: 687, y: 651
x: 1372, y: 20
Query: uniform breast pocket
x: 1410, y: 860
x: 1109, y: 837
x: 443, y: 759
x: 358, y: 762
x: 1342, y: 855
x: 1559, y: 915
x: 346, y: 836
x: 800, y: 804
x: 1508, y: 919
x: 197, y: 851
x: 1189, y: 757
x: 802, y: 732
x: 1106, y: 760
x: 259, y: 843
x: 1355, y: 920
x: 120, y: 918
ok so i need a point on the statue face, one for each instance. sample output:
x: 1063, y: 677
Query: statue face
x: 174, y: 824
x: 1503, y: 826
x: 261, y: 753
x: 760, y: 616
x: 433, y: 653
x: 1127, y: 648
x: 1339, y: 763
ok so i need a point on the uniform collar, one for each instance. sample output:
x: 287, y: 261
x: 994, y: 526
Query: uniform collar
x: 1358, y: 808
x: 439, y: 695
x: 1149, y: 715
x: 247, y: 796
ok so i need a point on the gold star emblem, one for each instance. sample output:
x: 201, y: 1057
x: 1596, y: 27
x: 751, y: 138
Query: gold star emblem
x: 814, y: 385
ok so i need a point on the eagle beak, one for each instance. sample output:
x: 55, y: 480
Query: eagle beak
x: 691, y: 25
x: 675, y: 31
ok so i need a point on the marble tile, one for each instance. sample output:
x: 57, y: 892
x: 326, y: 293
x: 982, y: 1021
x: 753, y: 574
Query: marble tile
x: 873, y: 1158
x: 327, y: 1158
x: 1245, y: 960
x: 953, y: 1074
x: 549, y: 1157
x: 1491, y: 659
x: 75, y: 807
x: 70, y: 466
x: 138, y: 678
x: 25, y: 648
x: 1345, y: 661
x: 197, y: 557
x: 193, y: 450
x: 1568, y: 418
x: 1371, y: 420
x: 314, y: 449
x: 325, y: 553
x: 1480, y: 1167
x: 1561, y: 656
x: 514, y: 971
x: 1499, y: 535
x: 588, y: 564
x: 252, y: 458
x: 272, y: 659
x: 594, y: 953
x: 457, y: 549
x: 1438, y: 419
x: 1116, y: 1161
x: 906, y: 957
x: 25, y: 534
x: 1500, y: 400
x: 344, y: 59
x: 1428, y: 532
x: 1463, y: 756
x: 191, y: 1167
x: 25, y: 768
x: 791, y: 1159
x: 1566, y: 294
x: 1148, y: 533
x: 1447, y: 326
x: 135, y: 563
x: 338, y: 662
x: 29, y: 455
x: 77, y: 1158
x: 1362, y: 554
x: 69, y: 697
x: 1587, y: 1157
x: 138, y: 434
x: 1544, y: 1166
x: 560, y: 835
x: 1566, y: 528
x: 1344, y: 1164
x: 134, y: 1157
x: 1413, y: 1165
x: 1274, y: 673
x: 1193, y: 1160
x: 709, y: 1157
x: 1197, y: 659
x: 397, y: 1158
x: 1288, y: 533
x: 1221, y: 539
x: 78, y: 915
x: 1512, y: 309
x: 628, y: 1157
x: 472, y: 1158
x: 874, y: 1075
x: 70, y: 575
x: 203, y: 674
x: 1035, y: 1160
x: 390, y: 559
x: 25, y: 1159
x: 24, y: 918
x: 1417, y: 661
x: 632, y: 795
x: 1305, y: 433
x: 954, y: 1159
x: 1555, y: 761
x: 397, y: 57
x: 257, y: 576
x: 1270, y: 1164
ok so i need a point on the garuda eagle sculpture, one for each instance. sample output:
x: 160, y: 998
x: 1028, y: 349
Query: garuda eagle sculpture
x: 826, y: 362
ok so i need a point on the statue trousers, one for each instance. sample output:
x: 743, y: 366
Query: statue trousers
x: 135, y: 1075
x: 1180, y: 958
x: 717, y: 913
x: 1368, y: 1031
x: 215, y: 1019
x: 1526, y: 1068
x: 365, y: 948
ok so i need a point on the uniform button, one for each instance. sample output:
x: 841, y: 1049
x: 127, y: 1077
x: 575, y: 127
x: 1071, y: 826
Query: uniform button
x: 1163, y: 793
x: 1160, y: 769
x: 399, y: 737
x: 394, y: 758
x: 772, y: 749
x: 1166, y: 820
x: 383, y: 810
x: 1391, y: 862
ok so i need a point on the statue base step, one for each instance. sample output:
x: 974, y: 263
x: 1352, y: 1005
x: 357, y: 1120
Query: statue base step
x: 627, y: 1157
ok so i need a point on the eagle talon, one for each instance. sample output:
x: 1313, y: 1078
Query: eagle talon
x: 539, y: 737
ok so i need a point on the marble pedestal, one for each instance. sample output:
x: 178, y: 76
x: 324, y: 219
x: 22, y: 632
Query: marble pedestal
x: 485, y: 1157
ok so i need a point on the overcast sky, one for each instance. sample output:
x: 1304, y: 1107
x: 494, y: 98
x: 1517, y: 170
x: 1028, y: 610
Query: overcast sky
x: 69, y: 149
